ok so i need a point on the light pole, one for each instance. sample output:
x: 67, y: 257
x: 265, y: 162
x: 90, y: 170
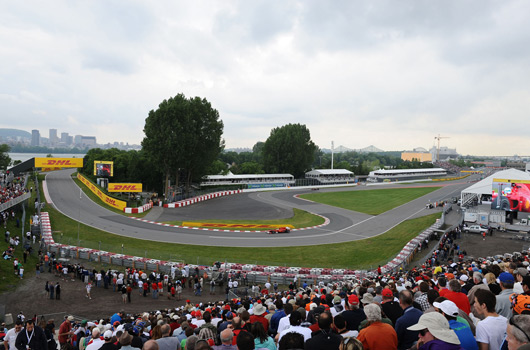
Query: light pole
x: 79, y: 216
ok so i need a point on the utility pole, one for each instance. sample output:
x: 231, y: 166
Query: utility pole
x: 332, y: 148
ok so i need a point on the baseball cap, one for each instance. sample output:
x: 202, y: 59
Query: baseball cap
x: 521, y: 271
x: 353, y: 299
x: 448, y: 307
x: 387, y: 293
x: 70, y: 318
x: 336, y: 300
x: 107, y: 334
x: 506, y: 277
x: 464, y: 278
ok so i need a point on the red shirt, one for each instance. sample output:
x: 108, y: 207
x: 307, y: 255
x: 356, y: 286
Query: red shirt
x: 154, y: 286
x: 261, y: 319
x: 65, y: 327
x: 460, y: 299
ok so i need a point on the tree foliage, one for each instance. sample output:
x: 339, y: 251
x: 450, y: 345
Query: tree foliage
x: 183, y: 137
x: 289, y: 149
x: 129, y: 166
x: 5, y: 160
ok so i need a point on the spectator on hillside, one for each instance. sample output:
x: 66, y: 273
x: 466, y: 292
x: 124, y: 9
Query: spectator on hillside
x: 377, y: 335
x: 491, y: 329
x: 411, y: 315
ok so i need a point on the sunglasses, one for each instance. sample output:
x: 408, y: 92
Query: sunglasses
x: 423, y: 332
x: 512, y: 322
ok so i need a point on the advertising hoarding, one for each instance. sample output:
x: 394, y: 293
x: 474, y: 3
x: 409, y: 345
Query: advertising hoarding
x: 58, y: 162
x: 124, y: 187
x: 115, y: 203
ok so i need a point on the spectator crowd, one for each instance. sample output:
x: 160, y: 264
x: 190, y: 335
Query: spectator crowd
x: 482, y: 303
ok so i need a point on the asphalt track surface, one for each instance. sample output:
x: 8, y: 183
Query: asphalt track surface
x: 344, y: 225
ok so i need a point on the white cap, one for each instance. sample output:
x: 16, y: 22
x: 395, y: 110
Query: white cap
x: 464, y: 278
x: 107, y: 334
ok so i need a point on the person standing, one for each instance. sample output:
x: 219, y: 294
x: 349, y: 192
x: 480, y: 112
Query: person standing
x: 65, y: 331
x: 11, y: 336
x: 31, y: 338
x: 58, y: 291
x: 491, y: 329
x: 88, y: 289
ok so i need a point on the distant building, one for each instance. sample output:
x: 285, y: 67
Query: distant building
x: 445, y: 153
x: 418, y: 156
x: 89, y: 141
x: 77, y: 140
x: 35, y: 138
x: 54, y: 140
x: 64, y: 138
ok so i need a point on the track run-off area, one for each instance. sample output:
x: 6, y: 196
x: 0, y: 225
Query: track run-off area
x: 342, y: 225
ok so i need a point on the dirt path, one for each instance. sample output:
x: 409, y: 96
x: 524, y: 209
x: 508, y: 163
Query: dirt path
x: 30, y: 296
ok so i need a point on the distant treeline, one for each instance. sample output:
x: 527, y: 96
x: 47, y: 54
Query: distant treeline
x: 20, y: 148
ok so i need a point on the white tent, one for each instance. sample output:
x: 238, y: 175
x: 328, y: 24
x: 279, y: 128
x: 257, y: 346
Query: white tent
x: 485, y: 186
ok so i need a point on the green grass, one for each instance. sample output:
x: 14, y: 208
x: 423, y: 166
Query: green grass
x: 300, y: 219
x: 373, y: 202
x: 97, y: 200
x: 8, y: 279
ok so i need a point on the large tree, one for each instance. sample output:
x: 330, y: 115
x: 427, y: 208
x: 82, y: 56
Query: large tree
x: 289, y: 149
x: 183, y: 136
x: 5, y: 160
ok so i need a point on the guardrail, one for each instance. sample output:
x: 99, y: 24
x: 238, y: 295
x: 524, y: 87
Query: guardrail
x: 14, y: 201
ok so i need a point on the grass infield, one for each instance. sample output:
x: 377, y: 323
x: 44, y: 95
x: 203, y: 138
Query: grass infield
x: 300, y: 219
x: 372, y: 202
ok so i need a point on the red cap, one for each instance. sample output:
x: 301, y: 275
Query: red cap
x: 188, y: 301
x: 387, y: 293
x: 227, y: 307
x: 353, y: 299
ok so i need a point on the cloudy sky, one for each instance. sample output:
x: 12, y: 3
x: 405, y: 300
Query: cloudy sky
x: 393, y: 74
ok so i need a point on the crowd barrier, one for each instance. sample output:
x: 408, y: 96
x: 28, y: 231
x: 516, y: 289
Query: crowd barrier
x: 202, y: 198
x: 255, y: 273
x: 141, y: 209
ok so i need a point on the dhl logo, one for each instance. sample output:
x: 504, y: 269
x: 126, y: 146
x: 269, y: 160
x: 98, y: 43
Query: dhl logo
x: 125, y: 187
x: 59, y: 162
x: 204, y: 224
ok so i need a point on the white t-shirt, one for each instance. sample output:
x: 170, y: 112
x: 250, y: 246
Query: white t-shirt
x: 284, y: 323
x: 11, y: 337
x: 492, y: 331
x: 306, y: 332
x: 96, y: 344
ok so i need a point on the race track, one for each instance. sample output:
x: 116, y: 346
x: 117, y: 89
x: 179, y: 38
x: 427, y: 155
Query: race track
x: 344, y: 225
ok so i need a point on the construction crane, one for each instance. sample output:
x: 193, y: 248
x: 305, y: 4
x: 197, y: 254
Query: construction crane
x: 438, y: 149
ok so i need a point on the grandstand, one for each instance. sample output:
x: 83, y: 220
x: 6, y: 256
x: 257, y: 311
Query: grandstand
x: 331, y: 176
x: 249, y: 180
x: 384, y: 175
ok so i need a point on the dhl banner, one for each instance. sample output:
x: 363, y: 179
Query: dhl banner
x: 58, y: 162
x: 512, y: 181
x: 209, y: 224
x: 125, y: 187
x: 115, y: 203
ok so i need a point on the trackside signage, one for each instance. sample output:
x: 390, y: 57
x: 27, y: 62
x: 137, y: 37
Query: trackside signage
x: 115, y: 203
x: 229, y: 226
x: 125, y: 187
x: 58, y: 162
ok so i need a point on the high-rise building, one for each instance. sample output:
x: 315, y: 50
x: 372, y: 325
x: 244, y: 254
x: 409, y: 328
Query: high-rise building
x: 35, y: 138
x: 77, y: 140
x: 64, y: 138
x: 54, y: 140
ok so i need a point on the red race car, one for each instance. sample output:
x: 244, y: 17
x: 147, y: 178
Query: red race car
x: 280, y: 230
